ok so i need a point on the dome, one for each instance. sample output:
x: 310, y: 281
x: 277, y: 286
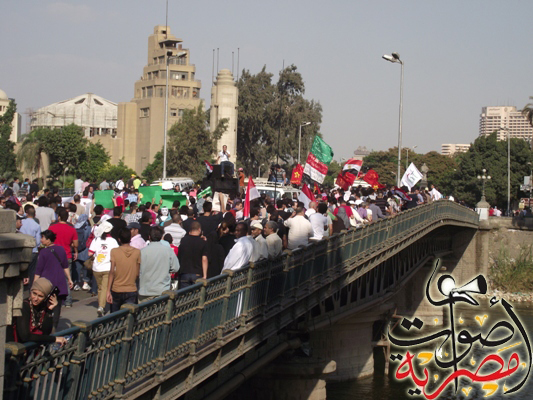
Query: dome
x: 3, y: 95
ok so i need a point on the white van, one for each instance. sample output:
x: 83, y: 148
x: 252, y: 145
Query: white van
x: 269, y: 188
x: 184, y: 183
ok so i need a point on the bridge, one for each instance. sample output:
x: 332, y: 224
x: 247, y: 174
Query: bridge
x: 206, y: 340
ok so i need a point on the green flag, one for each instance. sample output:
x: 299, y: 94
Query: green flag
x: 322, y: 150
x: 205, y: 192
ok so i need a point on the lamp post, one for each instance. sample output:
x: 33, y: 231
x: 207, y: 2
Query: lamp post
x: 508, y: 169
x: 530, y: 178
x: 483, y: 178
x: 169, y: 57
x: 300, y: 139
x: 407, y: 158
x: 395, y: 58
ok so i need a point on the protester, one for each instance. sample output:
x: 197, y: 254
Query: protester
x: 192, y: 256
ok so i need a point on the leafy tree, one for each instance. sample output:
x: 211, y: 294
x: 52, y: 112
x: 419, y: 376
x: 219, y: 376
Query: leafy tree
x: 385, y: 163
x: 94, y: 160
x: 66, y: 147
x: 154, y: 170
x: 30, y: 153
x: 8, y: 166
x: 333, y: 170
x: 189, y: 143
x: 259, y: 118
x: 527, y: 111
x: 115, y: 172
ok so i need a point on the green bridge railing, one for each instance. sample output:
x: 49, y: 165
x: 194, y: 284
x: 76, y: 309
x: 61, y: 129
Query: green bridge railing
x: 112, y: 356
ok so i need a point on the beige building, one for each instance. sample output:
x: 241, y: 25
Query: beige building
x: 509, y: 118
x: 140, y: 129
x: 96, y: 115
x: 224, y: 104
x: 17, y: 120
x: 449, y: 149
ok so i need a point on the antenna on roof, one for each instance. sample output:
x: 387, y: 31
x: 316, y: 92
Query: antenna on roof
x: 238, y: 58
x: 232, y: 61
x: 213, y: 70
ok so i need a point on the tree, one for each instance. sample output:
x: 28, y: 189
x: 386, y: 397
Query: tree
x: 66, y: 147
x: 8, y: 165
x: 385, y: 163
x: 94, y: 160
x: 154, y: 170
x: 189, y: 143
x: 333, y: 171
x: 30, y: 153
x: 259, y: 118
x: 115, y: 172
x: 527, y: 111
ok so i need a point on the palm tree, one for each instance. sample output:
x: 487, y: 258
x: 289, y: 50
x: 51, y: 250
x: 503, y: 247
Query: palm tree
x: 30, y: 151
x: 527, y: 111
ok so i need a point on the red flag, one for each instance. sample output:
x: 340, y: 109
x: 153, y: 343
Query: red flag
x: 317, y: 189
x: 372, y: 178
x: 297, y: 174
x: 251, y: 193
x: 345, y: 180
x: 306, y: 196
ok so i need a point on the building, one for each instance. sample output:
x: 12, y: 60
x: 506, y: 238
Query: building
x: 140, y: 129
x: 17, y: 120
x: 96, y: 115
x: 509, y: 118
x: 449, y: 149
x: 224, y: 104
x: 360, y: 153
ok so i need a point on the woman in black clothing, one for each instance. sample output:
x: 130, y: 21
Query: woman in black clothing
x: 36, y: 322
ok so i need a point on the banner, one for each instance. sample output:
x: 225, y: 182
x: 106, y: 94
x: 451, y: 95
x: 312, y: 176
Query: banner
x: 411, y: 177
x: 372, y: 178
x: 318, y: 160
x: 104, y: 198
x: 297, y: 174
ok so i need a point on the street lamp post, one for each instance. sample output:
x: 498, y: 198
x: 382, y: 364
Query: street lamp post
x: 407, y: 158
x: 530, y: 181
x: 483, y: 178
x: 169, y: 57
x: 395, y: 58
x: 300, y: 138
x: 508, y: 169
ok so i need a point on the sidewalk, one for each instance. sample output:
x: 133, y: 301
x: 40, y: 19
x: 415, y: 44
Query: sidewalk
x: 83, y: 309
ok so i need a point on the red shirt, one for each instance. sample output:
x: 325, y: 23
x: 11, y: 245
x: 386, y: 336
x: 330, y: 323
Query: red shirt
x: 348, y: 210
x: 65, y: 235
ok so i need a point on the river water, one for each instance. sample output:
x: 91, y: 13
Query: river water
x: 387, y: 387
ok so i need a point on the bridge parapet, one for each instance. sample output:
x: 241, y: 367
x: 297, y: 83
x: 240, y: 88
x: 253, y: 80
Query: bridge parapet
x: 186, y: 336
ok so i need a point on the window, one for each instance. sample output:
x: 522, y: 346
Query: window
x: 143, y: 92
x: 149, y: 91
x: 173, y: 112
x: 155, y: 74
x: 159, y: 91
x: 80, y: 101
x: 145, y: 112
x: 98, y: 102
x: 178, y: 75
x: 196, y: 93
x: 162, y: 60
x: 180, y: 112
x: 155, y: 60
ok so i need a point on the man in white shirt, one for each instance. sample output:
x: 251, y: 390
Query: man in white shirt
x: 78, y: 184
x: 273, y: 241
x: 300, y: 229
x: 223, y: 160
x: 435, y: 194
x: 175, y: 228
x: 319, y: 221
x: 312, y: 209
x: 262, y: 250
x: 241, y: 252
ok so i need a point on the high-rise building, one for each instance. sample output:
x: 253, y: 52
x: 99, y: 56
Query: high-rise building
x: 503, y: 119
x: 449, y: 149
x: 140, y: 129
x: 16, y: 123
x: 96, y: 115
x: 224, y: 104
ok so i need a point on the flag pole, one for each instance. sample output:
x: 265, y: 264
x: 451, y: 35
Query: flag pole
x: 279, y: 131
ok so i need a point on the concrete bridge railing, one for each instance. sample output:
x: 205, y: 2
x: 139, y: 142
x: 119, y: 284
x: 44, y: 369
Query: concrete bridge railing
x: 129, y: 352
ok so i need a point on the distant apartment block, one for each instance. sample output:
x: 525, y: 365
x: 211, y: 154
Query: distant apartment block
x: 503, y: 119
x: 449, y: 149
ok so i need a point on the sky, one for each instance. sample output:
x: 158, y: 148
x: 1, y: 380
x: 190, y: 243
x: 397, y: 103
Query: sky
x: 459, y: 56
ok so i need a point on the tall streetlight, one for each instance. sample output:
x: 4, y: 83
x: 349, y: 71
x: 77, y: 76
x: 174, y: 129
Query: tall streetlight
x: 508, y: 169
x: 530, y: 178
x: 483, y: 178
x: 395, y: 58
x: 300, y: 139
x: 407, y: 158
x: 169, y: 57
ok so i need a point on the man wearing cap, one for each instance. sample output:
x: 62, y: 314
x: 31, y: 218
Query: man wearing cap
x: 136, y: 239
x: 260, y: 249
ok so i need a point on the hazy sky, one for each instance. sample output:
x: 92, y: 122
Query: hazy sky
x: 459, y: 56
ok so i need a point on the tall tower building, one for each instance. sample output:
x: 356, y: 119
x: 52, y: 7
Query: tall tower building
x: 495, y: 118
x: 224, y: 104
x: 141, y: 121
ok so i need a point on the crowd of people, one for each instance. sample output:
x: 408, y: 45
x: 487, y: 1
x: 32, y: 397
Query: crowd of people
x: 136, y: 250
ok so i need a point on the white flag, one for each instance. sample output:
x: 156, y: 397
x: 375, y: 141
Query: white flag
x: 411, y: 177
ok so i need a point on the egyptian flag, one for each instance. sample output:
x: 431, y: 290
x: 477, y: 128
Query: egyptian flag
x: 400, y: 193
x: 251, y: 193
x: 209, y: 167
x: 353, y: 166
x: 318, y: 160
x: 306, y: 196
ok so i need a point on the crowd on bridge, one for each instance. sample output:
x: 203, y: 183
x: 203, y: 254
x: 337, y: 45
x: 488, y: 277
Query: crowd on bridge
x: 138, y: 249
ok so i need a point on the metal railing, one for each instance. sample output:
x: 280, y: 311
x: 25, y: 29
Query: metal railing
x: 123, y: 352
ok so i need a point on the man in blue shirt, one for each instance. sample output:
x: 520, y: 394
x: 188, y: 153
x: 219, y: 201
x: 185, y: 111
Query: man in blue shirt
x: 32, y: 228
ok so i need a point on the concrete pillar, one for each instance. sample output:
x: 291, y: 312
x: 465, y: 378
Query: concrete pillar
x: 482, y: 208
x: 15, y: 256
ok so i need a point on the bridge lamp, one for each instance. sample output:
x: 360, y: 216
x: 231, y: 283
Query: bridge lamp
x: 395, y: 58
x: 483, y: 178
x: 407, y: 158
x: 169, y: 57
x: 300, y: 138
